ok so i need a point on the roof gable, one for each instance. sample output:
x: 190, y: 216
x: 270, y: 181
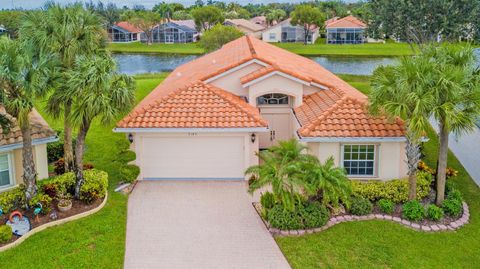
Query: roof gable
x: 125, y: 25
x: 346, y: 22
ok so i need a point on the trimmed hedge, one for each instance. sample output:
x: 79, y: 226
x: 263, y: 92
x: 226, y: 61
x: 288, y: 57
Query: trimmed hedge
x: 395, y: 190
x: 129, y: 173
x: 307, y: 215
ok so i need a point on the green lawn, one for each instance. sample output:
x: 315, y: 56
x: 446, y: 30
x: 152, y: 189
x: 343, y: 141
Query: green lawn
x: 383, y: 244
x: 138, y: 47
x: 377, y: 50
x: 97, y: 241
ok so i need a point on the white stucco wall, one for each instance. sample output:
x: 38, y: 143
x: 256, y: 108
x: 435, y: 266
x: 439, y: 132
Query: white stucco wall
x: 231, y: 81
x: 276, y: 84
x: 390, y: 157
x: 276, y: 30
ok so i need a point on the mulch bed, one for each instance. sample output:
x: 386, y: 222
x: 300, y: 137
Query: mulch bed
x: 77, y: 208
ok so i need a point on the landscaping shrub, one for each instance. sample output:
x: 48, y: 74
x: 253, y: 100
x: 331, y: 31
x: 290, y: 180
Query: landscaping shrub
x: 59, y: 167
x: 13, y: 199
x: 454, y: 194
x: 283, y: 219
x: 452, y: 207
x: 413, y: 210
x: 129, y: 173
x: 126, y: 156
x: 313, y: 215
x: 95, y: 185
x: 63, y: 183
x: 394, y: 190
x: 434, y: 213
x: 386, y: 206
x: 54, y: 151
x: 5, y: 233
x: 43, y: 199
x: 360, y: 206
x: 267, y: 200
x: 306, y: 215
x: 50, y: 190
x: 88, y: 166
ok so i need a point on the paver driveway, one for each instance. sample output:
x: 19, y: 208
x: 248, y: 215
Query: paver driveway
x: 187, y: 224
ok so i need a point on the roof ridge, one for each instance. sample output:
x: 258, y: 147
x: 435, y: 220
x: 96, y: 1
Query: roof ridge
x: 227, y: 96
x: 251, y: 47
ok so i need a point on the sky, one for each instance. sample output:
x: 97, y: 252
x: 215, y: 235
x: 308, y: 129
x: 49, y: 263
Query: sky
x: 29, y: 4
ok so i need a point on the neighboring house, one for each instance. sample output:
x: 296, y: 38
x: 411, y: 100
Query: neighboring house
x: 260, y: 20
x: 286, y: 32
x: 174, y: 32
x: 11, y: 168
x: 209, y: 118
x: 347, y: 30
x: 3, y: 30
x: 246, y: 27
x: 124, y: 32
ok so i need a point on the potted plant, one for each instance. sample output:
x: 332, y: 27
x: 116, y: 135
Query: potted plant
x: 64, y: 202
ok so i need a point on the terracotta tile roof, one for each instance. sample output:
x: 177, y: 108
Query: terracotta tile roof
x: 40, y: 129
x: 198, y: 105
x: 337, y: 94
x: 327, y: 115
x: 129, y: 27
x: 247, y: 24
x: 346, y: 22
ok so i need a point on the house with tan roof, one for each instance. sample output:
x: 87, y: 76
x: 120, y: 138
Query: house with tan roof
x: 284, y: 31
x: 347, y: 30
x: 245, y: 26
x: 210, y: 117
x: 124, y: 32
x: 11, y: 144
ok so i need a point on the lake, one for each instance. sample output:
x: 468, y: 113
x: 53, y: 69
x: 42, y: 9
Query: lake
x: 152, y: 63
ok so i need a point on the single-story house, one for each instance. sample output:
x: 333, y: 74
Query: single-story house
x: 210, y: 117
x: 174, y: 32
x: 124, y: 32
x: 347, y: 30
x: 286, y: 32
x: 11, y: 168
x: 246, y: 27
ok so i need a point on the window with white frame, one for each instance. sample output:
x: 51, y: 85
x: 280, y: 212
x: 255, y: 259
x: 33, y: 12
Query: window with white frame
x: 5, y: 172
x: 272, y: 36
x: 359, y: 160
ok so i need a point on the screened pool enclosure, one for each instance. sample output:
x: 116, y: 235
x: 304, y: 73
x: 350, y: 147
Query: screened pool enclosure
x: 345, y: 36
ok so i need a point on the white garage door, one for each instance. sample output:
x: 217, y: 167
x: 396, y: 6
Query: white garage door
x: 193, y: 157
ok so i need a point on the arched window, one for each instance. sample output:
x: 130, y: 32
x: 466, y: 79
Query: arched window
x: 273, y: 99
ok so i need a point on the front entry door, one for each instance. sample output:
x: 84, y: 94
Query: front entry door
x: 279, y: 125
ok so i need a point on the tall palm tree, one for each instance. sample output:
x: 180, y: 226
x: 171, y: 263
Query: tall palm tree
x: 66, y: 32
x: 98, y: 92
x: 456, y: 98
x: 404, y: 91
x: 283, y: 168
x: 24, y: 77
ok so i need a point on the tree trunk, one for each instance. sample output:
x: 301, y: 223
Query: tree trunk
x: 68, y: 139
x: 29, y: 171
x: 79, y: 150
x: 412, y: 150
x: 442, y: 163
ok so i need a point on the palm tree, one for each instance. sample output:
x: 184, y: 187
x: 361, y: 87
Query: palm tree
x: 327, y: 182
x: 282, y: 168
x: 24, y: 77
x: 456, y: 98
x: 98, y: 91
x: 404, y: 91
x: 65, y: 32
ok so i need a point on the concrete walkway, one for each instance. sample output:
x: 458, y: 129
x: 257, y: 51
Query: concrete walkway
x: 466, y: 148
x: 173, y: 224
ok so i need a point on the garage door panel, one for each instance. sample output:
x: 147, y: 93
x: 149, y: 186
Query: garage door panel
x: 193, y: 158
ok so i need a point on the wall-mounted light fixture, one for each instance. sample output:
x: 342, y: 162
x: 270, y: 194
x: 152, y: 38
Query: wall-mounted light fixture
x: 253, y: 137
x: 130, y: 138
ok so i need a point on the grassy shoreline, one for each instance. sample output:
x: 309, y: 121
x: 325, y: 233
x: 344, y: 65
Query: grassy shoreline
x: 360, y: 50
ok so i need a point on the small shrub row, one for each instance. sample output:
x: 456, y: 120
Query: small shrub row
x: 413, y: 210
x: 129, y: 173
x: 306, y: 215
x: 393, y: 190
x: 95, y: 185
x: 386, y: 206
x: 453, y: 206
x: 13, y: 199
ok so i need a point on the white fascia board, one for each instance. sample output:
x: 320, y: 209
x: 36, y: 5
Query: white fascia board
x: 353, y: 139
x: 231, y: 70
x: 273, y: 74
x: 191, y: 130
x: 323, y: 87
x: 35, y: 142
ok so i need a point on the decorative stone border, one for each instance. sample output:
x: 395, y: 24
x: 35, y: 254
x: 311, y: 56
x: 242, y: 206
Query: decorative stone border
x: 346, y: 218
x: 54, y: 223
